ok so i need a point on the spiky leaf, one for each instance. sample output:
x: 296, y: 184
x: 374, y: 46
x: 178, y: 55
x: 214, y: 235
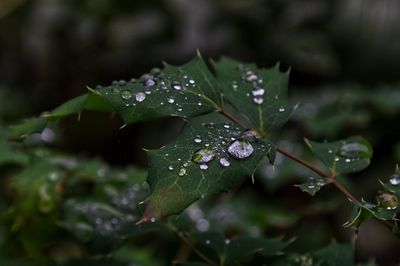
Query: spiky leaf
x: 204, y: 159
x: 345, y: 156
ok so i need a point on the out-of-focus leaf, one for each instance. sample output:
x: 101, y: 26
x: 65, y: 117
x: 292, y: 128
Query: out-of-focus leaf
x: 260, y: 94
x: 204, y: 159
x: 346, y: 156
x: 231, y: 251
x: 336, y: 254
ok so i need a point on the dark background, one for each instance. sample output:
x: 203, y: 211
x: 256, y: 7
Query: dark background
x: 344, y: 58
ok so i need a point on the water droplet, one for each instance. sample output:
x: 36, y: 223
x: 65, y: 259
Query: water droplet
x: 202, y: 225
x: 170, y: 168
x: 281, y: 109
x: 337, y: 159
x: 240, y: 149
x: 227, y: 241
x: 226, y: 126
x: 182, y: 172
x: 355, y: 149
x: 140, y: 96
x: 203, y: 166
x: 348, y: 160
x: 54, y: 176
x: 388, y: 201
x: 191, y: 81
x: 170, y: 100
x: 330, y: 151
x: 199, y: 104
x: 258, y: 91
x: 149, y: 82
x: 395, y: 180
x: 250, y: 76
x: 197, y: 140
x: 152, y: 219
x: 251, y: 135
x: 208, y: 242
x: 177, y: 86
x: 224, y: 162
x: 203, y: 156
x: 258, y: 100
x: 126, y: 95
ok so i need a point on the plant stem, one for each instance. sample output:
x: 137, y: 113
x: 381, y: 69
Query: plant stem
x: 232, y: 118
x: 189, y: 242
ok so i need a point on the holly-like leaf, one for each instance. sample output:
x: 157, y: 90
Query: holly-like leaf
x: 312, y: 185
x: 260, y: 94
x: 203, y: 160
x: 345, y: 156
x: 185, y: 91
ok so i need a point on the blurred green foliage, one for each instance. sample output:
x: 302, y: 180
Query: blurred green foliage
x: 344, y: 73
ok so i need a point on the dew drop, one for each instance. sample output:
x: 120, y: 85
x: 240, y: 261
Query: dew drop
x: 197, y: 140
x: 227, y: 241
x: 152, y: 219
x: 182, y: 172
x: 257, y: 91
x: 203, y: 156
x: 170, y: 168
x: 258, y: 100
x: 395, y: 180
x: 199, y: 104
x: 177, y: 86
x: 240, y: 149
x: 250, y: 76
x: 126, y: 95
x: 140, y: 96
x: 226, y: 126
x: 149, y: 82
x: 170, y: 100
x: 191, y: 81
x: 348, y: 160
x: 281, y: 109
x: 224, y: 162
x: 208, y: 242
x: 203, y: 166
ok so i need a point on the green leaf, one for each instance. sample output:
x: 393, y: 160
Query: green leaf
x: 312, y: 185
x: 203, y: 160
x: 9, y: 152
x: 260, y: 94
x: 185, y: 91
x: 29, y: 126
x: 345, y: 156
x: 336, y: 254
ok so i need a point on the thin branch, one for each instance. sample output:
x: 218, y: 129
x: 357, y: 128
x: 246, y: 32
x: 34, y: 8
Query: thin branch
x: 232, y: 118
x: 189, y: 242
x: 306, y: 164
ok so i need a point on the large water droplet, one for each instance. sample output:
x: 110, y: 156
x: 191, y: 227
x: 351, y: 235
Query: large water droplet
x: 140, y: 96
x: 126, y: 95
x: 240, y: 149
x: 224, y: 162
x: 354, y: 150
x: 388, y: 201
x: 203, y: 156
x: 395, y: 180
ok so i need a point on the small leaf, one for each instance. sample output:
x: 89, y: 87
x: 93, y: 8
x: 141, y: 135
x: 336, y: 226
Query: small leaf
x: 345, y: 156
x: 260, y: 94
x: 205, y: 159
x: 312, y: 185
x: 29, y: 126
